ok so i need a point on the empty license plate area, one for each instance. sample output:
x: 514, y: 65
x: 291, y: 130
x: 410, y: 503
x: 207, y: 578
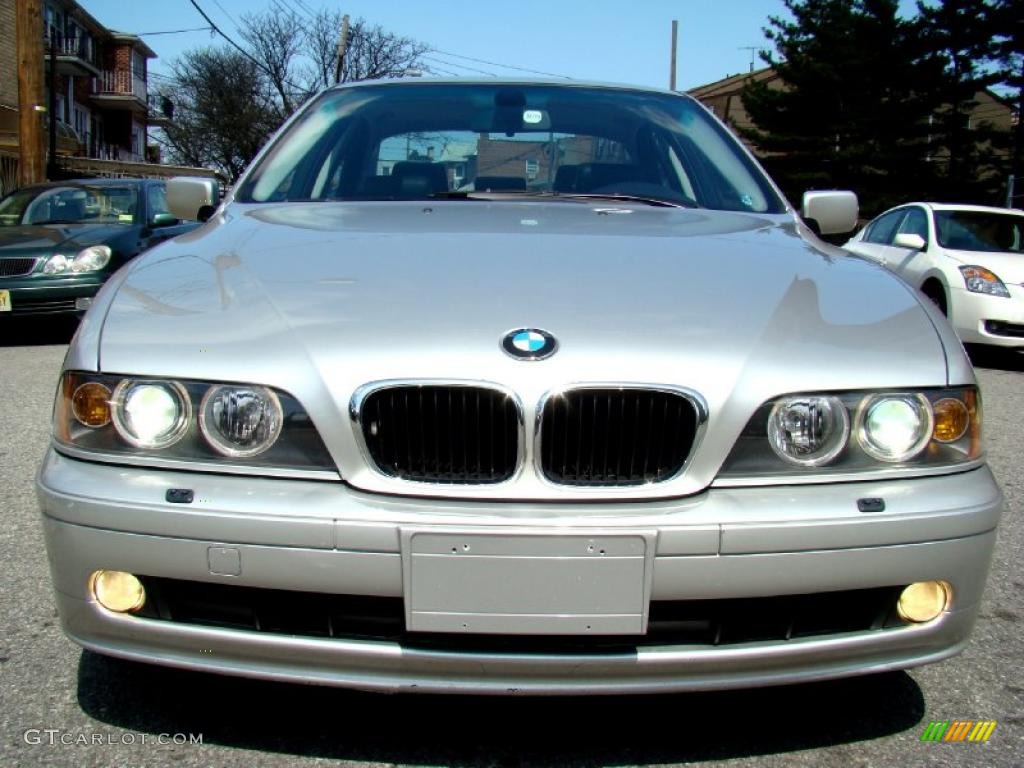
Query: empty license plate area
x: 527, y: 584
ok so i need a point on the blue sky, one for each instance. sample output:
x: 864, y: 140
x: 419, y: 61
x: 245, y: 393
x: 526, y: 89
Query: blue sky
x: 607, y: 40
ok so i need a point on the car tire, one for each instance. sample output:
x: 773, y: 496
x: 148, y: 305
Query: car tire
x: 937, y: 295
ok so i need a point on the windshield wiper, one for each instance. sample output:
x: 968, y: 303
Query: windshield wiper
x: 622, y: 197
x: 56, y: 221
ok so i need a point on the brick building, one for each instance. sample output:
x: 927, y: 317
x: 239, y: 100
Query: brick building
x: 725, y: 98
x: 103, y: 104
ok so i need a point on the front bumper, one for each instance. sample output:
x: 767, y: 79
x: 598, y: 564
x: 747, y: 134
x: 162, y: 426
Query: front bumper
x: 45, y: 295
x: 323, y: 537
x: 995, y: 320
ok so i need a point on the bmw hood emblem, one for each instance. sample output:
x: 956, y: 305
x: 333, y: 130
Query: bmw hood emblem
x: 529, y: 344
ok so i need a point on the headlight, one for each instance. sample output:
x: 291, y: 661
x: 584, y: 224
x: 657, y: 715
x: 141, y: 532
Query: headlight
x: 56, y: 264
x: 981, y: 280
x: 808, y: 431
x: 188, y: 425
x: 150, y: 414
x: 240, y: 421
x: 817, y: 435
x: 894, y: 428
x: 91, y: 259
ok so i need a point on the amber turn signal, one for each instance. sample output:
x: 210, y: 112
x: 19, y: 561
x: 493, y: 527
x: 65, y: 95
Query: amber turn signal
x: 91, y: 404
x: 951, y: 420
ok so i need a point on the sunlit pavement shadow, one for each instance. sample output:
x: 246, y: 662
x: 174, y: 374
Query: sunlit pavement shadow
x: 461, y: 730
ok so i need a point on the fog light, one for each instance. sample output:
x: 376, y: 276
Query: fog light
x: 118, y: 591
x: 924, y: 601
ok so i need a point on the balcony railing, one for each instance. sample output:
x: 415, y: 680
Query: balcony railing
x: 79, y: 47
x: 123, y: 83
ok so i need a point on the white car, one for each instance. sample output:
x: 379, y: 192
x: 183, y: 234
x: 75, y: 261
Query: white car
x: 968, y: 259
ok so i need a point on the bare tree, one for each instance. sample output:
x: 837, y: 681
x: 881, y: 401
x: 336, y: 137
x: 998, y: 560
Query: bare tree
x: 227, y: 103
x: 224, y: 110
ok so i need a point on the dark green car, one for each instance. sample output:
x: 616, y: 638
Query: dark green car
x: 59, y: 242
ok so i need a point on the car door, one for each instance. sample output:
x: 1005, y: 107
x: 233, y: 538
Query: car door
x: 878, y: 235
x: 911, y: 263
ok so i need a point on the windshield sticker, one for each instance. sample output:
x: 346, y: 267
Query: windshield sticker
x: 532, y: 116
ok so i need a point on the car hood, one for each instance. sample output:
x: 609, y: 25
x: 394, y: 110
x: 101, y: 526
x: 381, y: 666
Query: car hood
x: 1008, y: 266
x: 320, y: 299
x: 42, y: 240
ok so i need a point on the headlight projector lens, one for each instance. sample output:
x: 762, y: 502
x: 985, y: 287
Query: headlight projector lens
x: 894, y: 428
x: 150, y: 414
x: 240, y: 421
x: 808, y: 431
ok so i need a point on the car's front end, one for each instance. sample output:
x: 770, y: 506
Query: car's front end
x: 539, y: 445
x: 59, y: 243
x: 981, y: 251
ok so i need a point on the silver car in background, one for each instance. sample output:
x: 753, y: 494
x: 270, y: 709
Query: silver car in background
x: 515, y: 387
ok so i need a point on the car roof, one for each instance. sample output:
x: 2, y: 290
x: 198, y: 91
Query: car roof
x: 962, y: 207
x: 546, y: 81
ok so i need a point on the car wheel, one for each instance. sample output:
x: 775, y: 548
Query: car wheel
x: 937, y: 294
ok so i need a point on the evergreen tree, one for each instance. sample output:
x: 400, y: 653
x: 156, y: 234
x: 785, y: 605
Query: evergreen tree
x: 955, y: 41
x: 848, y: 113
x: 1007, y: 24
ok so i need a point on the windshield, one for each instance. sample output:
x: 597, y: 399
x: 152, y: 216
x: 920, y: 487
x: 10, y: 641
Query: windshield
x: 70, y: 205
x: 428, y: 140
x: 980, y: 231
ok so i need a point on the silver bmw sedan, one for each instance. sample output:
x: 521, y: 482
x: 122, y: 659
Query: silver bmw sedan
x: 515, y: 387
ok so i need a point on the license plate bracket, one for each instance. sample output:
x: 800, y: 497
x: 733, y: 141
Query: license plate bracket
x: 523, y: 583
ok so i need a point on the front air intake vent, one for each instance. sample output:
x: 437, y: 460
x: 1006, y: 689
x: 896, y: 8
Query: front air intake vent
x: 441, y: 433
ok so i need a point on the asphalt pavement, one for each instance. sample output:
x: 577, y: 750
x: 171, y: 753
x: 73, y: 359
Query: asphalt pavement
x: 117, y: 713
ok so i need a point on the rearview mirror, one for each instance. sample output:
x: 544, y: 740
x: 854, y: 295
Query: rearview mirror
x: 192, y: 197
x: 834, y: 212
x: 910, y: 240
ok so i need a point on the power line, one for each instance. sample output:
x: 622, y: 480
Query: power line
x: 439, y: 71
x: 305, y: 8
x: 497, y: 64
x: 460, y: 66
x: 298, y: 10
x: 242, y: 51
x: 173, y: 31
x: 225, y: 11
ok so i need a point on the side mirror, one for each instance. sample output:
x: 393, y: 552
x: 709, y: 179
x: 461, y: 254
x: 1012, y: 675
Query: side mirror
x: 834, y: 212
x: 910, y: 240
x: 192, y: 197
x: 163, y: 220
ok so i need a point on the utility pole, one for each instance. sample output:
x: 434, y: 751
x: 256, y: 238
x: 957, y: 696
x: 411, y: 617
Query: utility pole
x: 672, y: 71
x: 339, y: 67
x: 51, y: 164
x: 28, y: 23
